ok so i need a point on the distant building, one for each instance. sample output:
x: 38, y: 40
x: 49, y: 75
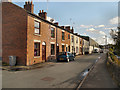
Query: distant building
x: 89, y: 45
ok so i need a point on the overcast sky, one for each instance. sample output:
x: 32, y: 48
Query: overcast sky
x: 94, y: 19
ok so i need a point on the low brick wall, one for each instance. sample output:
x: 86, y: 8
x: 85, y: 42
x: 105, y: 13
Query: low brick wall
x: 114, y: 70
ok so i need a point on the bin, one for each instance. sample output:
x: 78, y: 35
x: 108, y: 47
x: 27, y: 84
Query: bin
x: 12, y: 60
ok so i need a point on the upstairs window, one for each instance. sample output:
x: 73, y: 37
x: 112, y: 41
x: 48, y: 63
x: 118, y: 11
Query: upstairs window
x: 68, y: 36
x: 63, y: 35
x: 72, y: 39
x: 52, y: 32
x: 37, y: 27
x: 76, y: 40
x: 80, y: 41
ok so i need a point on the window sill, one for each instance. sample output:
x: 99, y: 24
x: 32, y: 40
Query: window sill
x: 36, y: 56
x: 52, y: 55
x: 37, y: 34
x: 52, y: 38
x: 63, y: 40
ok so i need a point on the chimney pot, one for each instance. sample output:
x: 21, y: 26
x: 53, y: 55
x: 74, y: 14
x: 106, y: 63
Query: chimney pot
x: 28, y: 2
x: 43, y: 14
x: 40, y: 11
x: 63, y: 27
x: 29, y: 6
x: 31, y: 2
x: 72, y: 30
x: 56, y: 23
x: 68, y: 28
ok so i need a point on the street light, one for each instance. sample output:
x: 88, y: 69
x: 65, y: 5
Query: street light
x: 105, y: 42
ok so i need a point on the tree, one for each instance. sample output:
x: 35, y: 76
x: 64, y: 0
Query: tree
x: 117, y: 46
x: 116, y: 37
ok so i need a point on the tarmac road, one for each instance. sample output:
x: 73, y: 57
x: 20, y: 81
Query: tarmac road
x: 54, y: 75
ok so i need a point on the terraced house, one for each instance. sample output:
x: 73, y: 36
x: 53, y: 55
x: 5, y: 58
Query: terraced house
x: 32, y: 38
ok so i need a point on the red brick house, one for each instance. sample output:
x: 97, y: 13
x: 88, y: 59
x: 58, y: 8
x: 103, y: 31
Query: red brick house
x: 31, y: 37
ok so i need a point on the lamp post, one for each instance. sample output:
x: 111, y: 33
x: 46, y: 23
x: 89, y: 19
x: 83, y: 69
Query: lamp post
x: 105, y: 47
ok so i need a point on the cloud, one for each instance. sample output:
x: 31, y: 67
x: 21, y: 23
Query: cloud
x: 114, y: 20
x: 92, y: 30
x: 101, y: 32
x: 109, y: 28
x: 102, y: 40
x: 86, y: 26
x: 91, y: 26
x: 101, y: 26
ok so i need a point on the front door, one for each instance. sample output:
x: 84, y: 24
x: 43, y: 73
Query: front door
x: 44, y: 52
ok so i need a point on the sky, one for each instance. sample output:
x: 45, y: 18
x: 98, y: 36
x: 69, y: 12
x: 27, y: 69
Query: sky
x: 94, y: 19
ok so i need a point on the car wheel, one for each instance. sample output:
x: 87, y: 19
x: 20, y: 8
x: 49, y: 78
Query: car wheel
x: 73, y: 59
x: 68, y: 60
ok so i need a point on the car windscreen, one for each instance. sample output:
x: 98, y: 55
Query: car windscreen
x: 62, y: 53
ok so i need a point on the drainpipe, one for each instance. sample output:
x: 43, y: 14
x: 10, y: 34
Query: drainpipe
x: 56, y: 43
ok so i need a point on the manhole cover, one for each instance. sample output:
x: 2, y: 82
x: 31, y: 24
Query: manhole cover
x: 47, y: 78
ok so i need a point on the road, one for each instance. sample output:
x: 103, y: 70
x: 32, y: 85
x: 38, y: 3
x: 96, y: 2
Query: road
x: 54, y: 75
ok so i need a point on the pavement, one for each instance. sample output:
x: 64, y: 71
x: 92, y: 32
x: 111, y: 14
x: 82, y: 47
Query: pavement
x: 99, y: 76
x: 53, y: 75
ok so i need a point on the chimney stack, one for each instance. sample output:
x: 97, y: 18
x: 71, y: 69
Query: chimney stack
x: 72, y: 30
x: 68, y: 28
x: 29, y: 6
x: 43, y: 14
x: 56, y: 23
x: 63, y: 27
x: 76, y: 33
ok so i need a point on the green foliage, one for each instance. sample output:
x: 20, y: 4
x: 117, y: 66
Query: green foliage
x: 116, y: 37
x: 117, y: 47
x: 111, y: 50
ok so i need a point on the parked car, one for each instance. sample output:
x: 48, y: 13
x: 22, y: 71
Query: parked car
x: 95, y: 51
x: 65, y: 56
x: 101, y: 51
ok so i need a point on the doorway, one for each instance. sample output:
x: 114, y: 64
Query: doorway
x: 44, y: 51
x: 57, y: 50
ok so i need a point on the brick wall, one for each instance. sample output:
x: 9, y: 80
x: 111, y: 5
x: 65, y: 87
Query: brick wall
x: 45, y: 36
x: 18, y: 36
x: 14, y: 32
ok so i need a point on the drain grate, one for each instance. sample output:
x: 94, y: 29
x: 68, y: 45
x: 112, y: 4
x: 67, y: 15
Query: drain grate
x: 48, y: 78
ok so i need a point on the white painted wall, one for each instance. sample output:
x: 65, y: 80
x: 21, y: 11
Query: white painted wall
x: 85, y: 46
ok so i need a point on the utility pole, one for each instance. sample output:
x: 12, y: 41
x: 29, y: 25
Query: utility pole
x: 73, y: 23
x: 47, y: 5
